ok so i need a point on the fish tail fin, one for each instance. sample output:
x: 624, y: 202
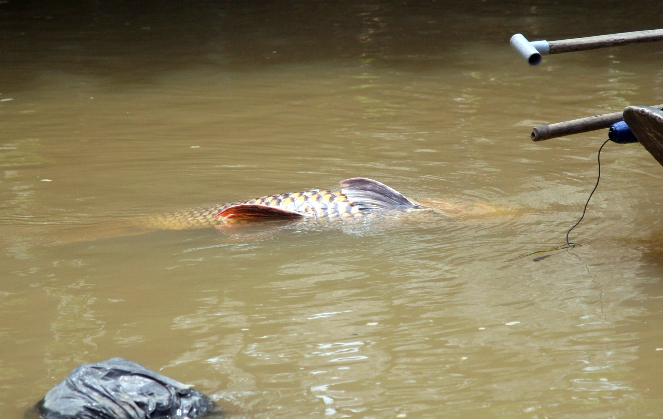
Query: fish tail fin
x: 373, y: 195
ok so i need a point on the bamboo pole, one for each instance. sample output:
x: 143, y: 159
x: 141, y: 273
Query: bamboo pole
x: 532, y: 51
x: 603, y: 41
x: 577, y: 126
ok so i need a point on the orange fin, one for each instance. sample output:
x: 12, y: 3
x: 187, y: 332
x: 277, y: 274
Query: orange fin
x: 246, y: 212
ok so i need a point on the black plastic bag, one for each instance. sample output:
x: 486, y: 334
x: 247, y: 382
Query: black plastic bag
x: 121, y: 389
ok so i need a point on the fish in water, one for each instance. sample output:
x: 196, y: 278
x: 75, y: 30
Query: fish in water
x: 358, y: 198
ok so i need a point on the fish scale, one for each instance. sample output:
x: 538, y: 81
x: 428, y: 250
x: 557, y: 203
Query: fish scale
x: 313, y: 204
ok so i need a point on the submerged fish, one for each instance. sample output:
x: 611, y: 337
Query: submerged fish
x: 358, y: 198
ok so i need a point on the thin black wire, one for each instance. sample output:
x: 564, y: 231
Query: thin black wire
x: 598, y: 179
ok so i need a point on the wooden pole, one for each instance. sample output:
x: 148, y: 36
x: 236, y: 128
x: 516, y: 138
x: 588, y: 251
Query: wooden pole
x: 602, y: 41
x: 577, y: 126
x: 532, y: 51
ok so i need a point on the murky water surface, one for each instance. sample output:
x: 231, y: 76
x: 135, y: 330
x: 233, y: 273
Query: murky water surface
x: 118, y: 109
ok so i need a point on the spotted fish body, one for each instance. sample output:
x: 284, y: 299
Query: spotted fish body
x: 358, y: 198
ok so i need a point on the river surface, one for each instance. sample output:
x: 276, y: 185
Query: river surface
x: 119, y: 109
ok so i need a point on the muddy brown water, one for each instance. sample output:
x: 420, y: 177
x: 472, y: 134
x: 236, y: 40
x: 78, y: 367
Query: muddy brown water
x: 121, y: 109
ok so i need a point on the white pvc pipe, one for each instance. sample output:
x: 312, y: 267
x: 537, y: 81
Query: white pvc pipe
x: 530, y: 51
x: 542, y: 46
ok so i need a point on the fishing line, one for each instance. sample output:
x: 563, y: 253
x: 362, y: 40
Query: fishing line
x: 570, y: 245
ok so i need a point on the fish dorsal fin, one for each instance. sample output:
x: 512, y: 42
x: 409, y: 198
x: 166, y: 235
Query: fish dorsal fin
x: 250, y: 212
x: 371, y: 194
